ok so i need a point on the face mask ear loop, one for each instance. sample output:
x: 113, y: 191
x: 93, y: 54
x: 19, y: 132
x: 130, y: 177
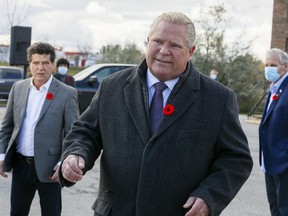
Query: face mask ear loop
x: 285, y: 65
x: 284, y: 69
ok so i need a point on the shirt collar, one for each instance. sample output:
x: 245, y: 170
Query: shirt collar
x: 45, y: 86
x: 275, y: 86
x: 151, y: 80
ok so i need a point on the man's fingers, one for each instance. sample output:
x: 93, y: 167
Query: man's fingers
x: 2, y: 173
x: 81, y: 162
x: 72, y: 168
x: 189, y: 202
x: 55, y: 176
x: 198, y: 207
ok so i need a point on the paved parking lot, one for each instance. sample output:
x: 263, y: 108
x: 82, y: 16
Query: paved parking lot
x: 77, y: 200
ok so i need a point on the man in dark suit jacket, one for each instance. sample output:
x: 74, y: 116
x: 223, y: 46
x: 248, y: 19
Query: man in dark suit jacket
x: 39, y: 112
x: 273, y: 133
x: 193, y: 164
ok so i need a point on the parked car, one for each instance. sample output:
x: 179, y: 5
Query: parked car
x: 9, y: 75
x: 88, y: 80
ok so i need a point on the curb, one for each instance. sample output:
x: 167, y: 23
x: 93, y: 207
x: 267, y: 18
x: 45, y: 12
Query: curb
x: 253, y: 121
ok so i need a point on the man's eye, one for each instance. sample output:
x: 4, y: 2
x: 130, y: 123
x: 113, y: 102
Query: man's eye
x: 176, y: 46
x: 156, y: 41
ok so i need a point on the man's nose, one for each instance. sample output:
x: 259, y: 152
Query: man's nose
x: 164, y: 49
x: 41, y: 66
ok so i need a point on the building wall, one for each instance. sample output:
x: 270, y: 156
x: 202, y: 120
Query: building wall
x: 280, y: 25
x: 4, y: 53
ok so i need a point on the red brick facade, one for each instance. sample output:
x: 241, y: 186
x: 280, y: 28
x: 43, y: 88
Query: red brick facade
x: 280, y: 25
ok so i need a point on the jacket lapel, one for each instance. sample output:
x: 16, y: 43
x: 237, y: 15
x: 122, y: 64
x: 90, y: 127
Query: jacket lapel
x: 52, y: 89
x: 24, y: 99
x: 265, y: 109
x: 189, y: 83
x: 273, y: 104
x: 136, y: 97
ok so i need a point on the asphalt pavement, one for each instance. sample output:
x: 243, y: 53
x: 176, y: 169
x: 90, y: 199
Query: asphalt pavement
x: 77, y: 200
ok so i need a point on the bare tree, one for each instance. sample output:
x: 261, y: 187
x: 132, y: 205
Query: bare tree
x: 85, y: 48
x: 16, y: 11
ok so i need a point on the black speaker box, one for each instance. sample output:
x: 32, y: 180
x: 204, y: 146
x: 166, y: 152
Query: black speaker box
x: 20, y: 41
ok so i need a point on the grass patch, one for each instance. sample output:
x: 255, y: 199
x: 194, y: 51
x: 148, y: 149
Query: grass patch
x: 3, y: 103
x: 75, y: 70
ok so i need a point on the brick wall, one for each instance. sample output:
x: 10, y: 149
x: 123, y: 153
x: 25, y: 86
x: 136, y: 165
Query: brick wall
x: 280, y: 25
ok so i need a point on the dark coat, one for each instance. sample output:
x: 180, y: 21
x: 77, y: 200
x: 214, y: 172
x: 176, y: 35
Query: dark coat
x: 67, y: 79
x: 200, y: 150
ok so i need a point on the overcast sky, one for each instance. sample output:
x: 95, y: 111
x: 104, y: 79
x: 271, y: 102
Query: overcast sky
x: 79, y: 23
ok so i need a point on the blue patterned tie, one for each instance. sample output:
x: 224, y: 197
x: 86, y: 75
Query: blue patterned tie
x: 156, y: 106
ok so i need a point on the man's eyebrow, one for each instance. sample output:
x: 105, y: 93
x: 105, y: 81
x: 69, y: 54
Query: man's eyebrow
x: 271, y: 65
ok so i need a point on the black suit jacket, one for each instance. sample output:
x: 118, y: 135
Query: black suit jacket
x: 67, y: 79
x: 200, y: 150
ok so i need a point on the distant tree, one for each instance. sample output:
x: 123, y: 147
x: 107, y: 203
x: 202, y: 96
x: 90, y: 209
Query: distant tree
x: 245, y: 76
x: 16, y: 11
x: 111, y: 53
x: 129, y: 54
x: 85, y: 48
x: 238, y: 69
x: 210, y: 47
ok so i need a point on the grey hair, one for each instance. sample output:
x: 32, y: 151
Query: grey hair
x: 282, y: 56
x: 176, y: 18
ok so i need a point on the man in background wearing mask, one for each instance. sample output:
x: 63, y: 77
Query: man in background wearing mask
x: 273, y: 133
x: 213, y: 74
x: 62, y: 72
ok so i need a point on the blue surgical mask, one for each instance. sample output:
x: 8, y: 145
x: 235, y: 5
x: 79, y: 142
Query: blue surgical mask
x: 62, y: 70
x: 213, y: 76
x: 271, y: 74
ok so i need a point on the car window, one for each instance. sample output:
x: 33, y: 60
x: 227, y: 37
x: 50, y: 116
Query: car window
x: 84, y: 73
x: 10, y: 74
x: 115, y: 69
x: 102, y: 73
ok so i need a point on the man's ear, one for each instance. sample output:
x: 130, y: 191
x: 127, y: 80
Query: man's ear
x: 146, y: 42
x: 191, y: 51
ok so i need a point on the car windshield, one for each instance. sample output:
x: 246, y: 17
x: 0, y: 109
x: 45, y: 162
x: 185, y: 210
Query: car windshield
x: 83, y: 74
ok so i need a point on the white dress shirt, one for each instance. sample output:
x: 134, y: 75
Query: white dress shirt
x: 151, y: 80
x: 25, y: 142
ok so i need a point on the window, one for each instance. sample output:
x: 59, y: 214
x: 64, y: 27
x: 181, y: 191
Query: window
x: 10, y: 74
x: 101, y: 74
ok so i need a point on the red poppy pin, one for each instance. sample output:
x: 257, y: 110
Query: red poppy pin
x: 275, y: 97
x: 68, y: 80
x: 168, y: 109
x: 49, y: 96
